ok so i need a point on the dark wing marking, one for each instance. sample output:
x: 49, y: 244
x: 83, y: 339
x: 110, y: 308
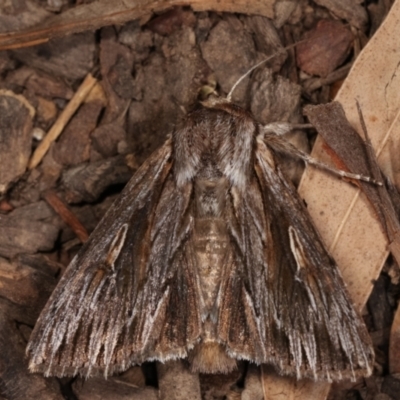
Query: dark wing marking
x: 282, y: 299
x: 129, y: 295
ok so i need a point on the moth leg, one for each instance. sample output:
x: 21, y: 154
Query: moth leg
x: 273, y: 139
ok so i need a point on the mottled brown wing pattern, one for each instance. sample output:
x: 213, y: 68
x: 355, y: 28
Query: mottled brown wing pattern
x: 282, y: 299
x: 133, y: 302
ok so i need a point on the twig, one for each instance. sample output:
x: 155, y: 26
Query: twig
x: 66, y: 215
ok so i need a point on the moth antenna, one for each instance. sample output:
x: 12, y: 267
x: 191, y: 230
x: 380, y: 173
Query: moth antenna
x: 229, y: 96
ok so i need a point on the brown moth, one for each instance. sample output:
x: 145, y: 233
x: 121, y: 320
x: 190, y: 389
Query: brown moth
x: 208, y: 254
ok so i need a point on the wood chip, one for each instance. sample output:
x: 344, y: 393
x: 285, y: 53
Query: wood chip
x: 26, y: 230
x: 16, y: 116
x: 70, y: 58
x: 348, y: 10
x: 97, y: 388
x: 188, y: 386
x: 86, y: 182
x: 76, y: 135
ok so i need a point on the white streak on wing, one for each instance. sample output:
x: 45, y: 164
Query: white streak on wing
x: 149, y: 321
x: 116, y: 246
x: 295, y: 245
x: 298, y: 253
x: 260, y: 331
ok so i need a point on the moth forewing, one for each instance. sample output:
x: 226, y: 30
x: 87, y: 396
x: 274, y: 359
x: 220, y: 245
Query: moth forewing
x: 208, y: 254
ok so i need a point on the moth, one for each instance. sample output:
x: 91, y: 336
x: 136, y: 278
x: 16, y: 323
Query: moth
x: 209, y: 254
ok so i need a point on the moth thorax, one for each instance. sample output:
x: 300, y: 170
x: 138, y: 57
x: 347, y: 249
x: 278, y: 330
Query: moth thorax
x: 211, y: 358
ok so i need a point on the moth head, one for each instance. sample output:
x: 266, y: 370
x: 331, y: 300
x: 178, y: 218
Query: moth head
x: 214, y: 101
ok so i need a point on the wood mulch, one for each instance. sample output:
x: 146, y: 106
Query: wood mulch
x: 81, y: 112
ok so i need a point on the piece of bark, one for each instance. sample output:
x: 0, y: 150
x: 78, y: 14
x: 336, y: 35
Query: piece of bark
x: 185, y: 71
x: 16, y: 116
x: 377, y: 13
x: 74, y: 145
x: 49, y: 87
x: 86, y: 182
x: 279, y: 387
x: 394, y: 349
x: 391, y: 387
x: 113, y: 53
x: 26, y: 230
x: 15, y: 16
x: 325, y: 48
x: 140, y: 41
x: 176, y: 382
x: 6, y: 63
x: 253, y: 389
x: 105, y: 139
x: 215, y: 386
x: 25, y: 285
x: 103, y: 13
x: 170, y: 84
x: 27, y: 282
x: 170, y: 21
x: 128, y: 386
x: 45, y: 177
x: 121, y: 79
x: 238, y: 57
x: 394, y: 341
x: 267, y: 40
x: 17, y: 77
x: 378, y: 305
x: 70, y: 58
x: 40, y: 83
x: 348, y: 10
x: 283, y: 11
x: 17, y: 382
x: 46, y: 113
